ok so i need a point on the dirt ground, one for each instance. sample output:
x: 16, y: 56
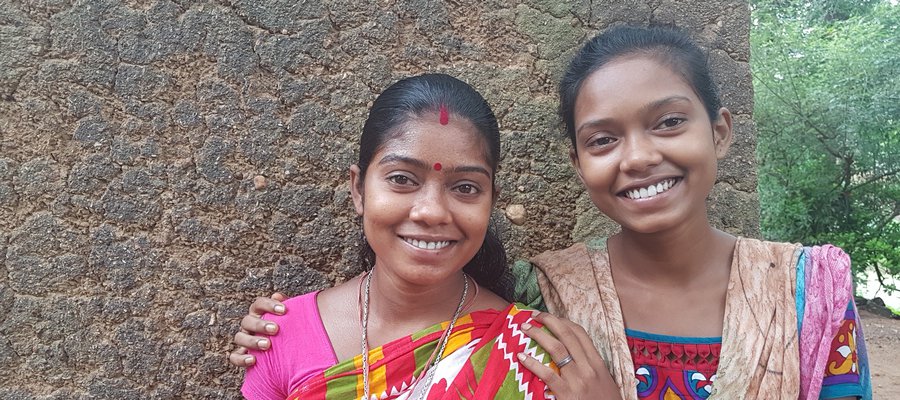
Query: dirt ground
x: 883, y: 343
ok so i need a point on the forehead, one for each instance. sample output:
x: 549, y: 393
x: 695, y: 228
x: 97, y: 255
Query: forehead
x: 630, y: 82
x: 427, y: 139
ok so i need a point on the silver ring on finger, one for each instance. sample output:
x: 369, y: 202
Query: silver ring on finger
x: 565, y: 361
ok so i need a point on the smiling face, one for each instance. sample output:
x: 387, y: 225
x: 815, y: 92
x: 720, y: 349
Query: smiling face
x: 645, y: 147
x: 426, y: 199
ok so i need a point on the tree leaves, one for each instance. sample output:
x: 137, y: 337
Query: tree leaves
x: 828, y: 115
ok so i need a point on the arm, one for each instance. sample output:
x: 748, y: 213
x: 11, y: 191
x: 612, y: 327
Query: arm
x: 252, y: 324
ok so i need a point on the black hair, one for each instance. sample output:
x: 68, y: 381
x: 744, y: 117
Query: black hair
x: 410, y: 98
x: 672, y: 47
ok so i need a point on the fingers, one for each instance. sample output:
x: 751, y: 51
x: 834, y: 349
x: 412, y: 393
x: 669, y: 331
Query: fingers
x: 563, y: 340
x: 561, y: 328
x: 243, y: 339
x: 587, y: 345
x: 240, y: 358
x: 258, y: 326
x: 555, y: 348
x: 573, y: 336
x: 270, y: 305
x: 545, y: 373
x: 278, y: 297
x: 252, y: 324
x: 586, y: 376
x: 575, y: 339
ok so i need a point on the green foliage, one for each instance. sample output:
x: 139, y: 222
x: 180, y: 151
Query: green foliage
x: 894, y: 310
x: 828, y: 116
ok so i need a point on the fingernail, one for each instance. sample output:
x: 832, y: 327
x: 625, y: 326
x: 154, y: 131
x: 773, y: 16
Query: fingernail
x: 535, y: 313
x: 279, y: 309
x: 249, y: 360
x: 263, y: 343
x: 526, y: 326
x: 271, y: 328
x: 520, y: 356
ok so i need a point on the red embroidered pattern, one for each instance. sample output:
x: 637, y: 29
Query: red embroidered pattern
x: 672, y: 370
x: 691, y: 356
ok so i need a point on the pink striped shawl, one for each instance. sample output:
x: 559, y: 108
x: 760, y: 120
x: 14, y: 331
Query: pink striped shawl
x: 828, y: 291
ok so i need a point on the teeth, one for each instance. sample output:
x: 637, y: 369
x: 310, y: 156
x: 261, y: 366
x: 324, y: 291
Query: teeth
x: 650, y: 191
x: 427, y: 245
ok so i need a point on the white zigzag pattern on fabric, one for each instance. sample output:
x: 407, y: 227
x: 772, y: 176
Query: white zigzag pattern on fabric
x: 522, y: 340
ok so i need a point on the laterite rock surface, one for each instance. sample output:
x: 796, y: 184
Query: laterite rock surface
x: 163, y: 162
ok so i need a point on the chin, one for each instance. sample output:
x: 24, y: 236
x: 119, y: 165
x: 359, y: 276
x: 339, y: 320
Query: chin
x: 431, y: 274
x: 649, y: 228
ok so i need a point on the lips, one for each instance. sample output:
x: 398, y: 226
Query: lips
x: 652, y: 190
x: 427, y: 245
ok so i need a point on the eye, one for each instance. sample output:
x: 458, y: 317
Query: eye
x: 671, y: 122
x: 402, y: 180
x: 601, y: 141
x: 468, y: 188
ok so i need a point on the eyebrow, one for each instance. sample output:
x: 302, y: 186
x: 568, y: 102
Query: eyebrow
x: 647, y: 107
x: 471, y: 168
x: 396, y: 158
x: 664, y: 101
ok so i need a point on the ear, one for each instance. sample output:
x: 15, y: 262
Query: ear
x: 356, y: 189
x: 573, y: 157
x: 722, y: 133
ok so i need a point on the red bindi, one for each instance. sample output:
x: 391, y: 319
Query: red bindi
x: 437, y: 166
x: 445, y: 116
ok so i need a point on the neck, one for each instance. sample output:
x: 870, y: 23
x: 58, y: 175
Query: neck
x: 677, y: 256
x: 396, y: 302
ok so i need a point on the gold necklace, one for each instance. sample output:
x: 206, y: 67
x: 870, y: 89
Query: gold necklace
x: 364, y: 324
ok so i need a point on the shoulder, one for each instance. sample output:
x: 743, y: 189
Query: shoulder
x: 299, y: 328
x: 299, y: 309
x: 825, y: 269
x: 829, y: 262
x: 572, y: 278
x: 279, y: 370
x: 754, y: 256
x: 827, y: 255
x: 815, y: 260
x: 489, y: 300
x: 762, y: 248
x: 303, y: 300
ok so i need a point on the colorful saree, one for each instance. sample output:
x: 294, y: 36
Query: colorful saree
x: 479, y: 362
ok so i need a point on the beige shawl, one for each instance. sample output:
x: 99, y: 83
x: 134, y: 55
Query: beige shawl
x: 759, y: 357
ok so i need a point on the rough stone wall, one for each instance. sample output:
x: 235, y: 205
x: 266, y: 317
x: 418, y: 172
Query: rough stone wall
x: 164, y: 162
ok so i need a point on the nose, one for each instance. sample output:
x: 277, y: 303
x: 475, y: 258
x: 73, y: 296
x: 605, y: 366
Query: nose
x: 432, y: 206
x: 639, y: 153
